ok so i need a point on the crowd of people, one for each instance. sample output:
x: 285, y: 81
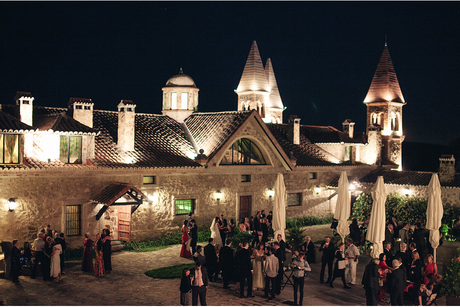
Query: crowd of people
x: 103, y: 253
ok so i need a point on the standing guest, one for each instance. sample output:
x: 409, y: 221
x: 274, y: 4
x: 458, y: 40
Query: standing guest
x: 27, y: 253
x: 48, y: 231
x: 242, y: 226
x: 186, y: 287
x: 404, y: 233
x: 355, y: 232
x: 87, y: 261
x: 258, y: 255
x: 388, y: 254
x: 282, y: 245
x: 404, y: 256
x: 61, y: 240
x: 262, y: 214
x: 251, y: 224
x: 300, y: 266
x: 212, y: 265
x: 186, y: 240
x: 199, y: 284
x: 327, y: 259
x: 99, y: 262
x: 389, y: 236
x: 415, y: 273
x: 230, y: 229
x: 247, y: 224
x: 352, y: 255
x: 270, y: 218
x: 215, y: 232
x: 107, y: 250
x: 418, y: 237
x: 384, y: 269
x: 259, y: 238
x: 264, y: 226
x: 339, y: 272
x: 279, y: 279
x: 223, y: 228
x: 397, y: 284
x: 244, y: 267
x: 47, y: 262
x: 226, y: 262
x: 370, y: 282
x: 7, y: 249
x: 430, y: 268
x: 271, y: 268
x: 309, y: 249
x: 15, y: 262
x: 55, y: 270
x: 257, y: 222
x: 194, y: 235
x: 39, y: 248
x: 189, y: 219
x: 197, y: 256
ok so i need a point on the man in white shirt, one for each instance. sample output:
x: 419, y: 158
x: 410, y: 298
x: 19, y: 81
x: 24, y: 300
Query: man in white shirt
x: 271, y: 268
x: 352, y: 254
x: 199, y: 284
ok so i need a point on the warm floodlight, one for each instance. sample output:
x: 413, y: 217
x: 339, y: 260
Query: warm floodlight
x: 271, y: 192
x: 11, y: 205
x: 218, y: 194
x: 317, y: 189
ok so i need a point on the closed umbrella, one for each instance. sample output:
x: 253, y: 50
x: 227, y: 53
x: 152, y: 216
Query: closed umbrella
x: 376, y: 228
x: 434, y: 212
x: 342, y: 208
x: 279, y: 209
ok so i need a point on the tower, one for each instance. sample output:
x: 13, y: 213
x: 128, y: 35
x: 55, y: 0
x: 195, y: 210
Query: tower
x: 384, y: 102
x: 258, y: 89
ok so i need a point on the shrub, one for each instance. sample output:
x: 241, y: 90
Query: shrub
x: 240, y: 237
x: 451, y: 280
x: 169, y: 272
x: 295, y: 236
x: 308, y: 221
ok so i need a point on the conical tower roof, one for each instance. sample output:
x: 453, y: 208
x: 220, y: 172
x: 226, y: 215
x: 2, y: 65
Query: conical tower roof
x: 385, y: 85
x: 274, y: 99
x: 253, y: 78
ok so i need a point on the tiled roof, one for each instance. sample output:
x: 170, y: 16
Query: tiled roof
x: 307, y: 153
x: 253, y: 77
x: 328, y: 134
x: 274, y: 99
x: 113, y: 192
x: 9, y: 123
x: 62, y: 123
x: 407, y: 178
x: 211, y: 130
x: 334, y: 183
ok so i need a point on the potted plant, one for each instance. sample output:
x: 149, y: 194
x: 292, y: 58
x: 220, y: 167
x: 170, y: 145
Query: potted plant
x: 451, y: 282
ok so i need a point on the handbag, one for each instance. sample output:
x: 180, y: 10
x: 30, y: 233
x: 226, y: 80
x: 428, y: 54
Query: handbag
x: 342, y: 264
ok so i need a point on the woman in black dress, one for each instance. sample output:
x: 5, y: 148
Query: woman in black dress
x: 47, y: 258
x: 107, y: 250
x: 339, y: 255
x: 15, y: 262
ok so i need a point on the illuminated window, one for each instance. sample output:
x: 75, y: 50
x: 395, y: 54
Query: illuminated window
x: 73, y: 220
x: 243, y: 152
x: 70, y: 149
x: 294, y: 199
x: 393, y: 121
x: 245, y: 178
x: 173, y: 101
x: 375, y: 119
x: 149, y: 180
x: 9, y: 148
x: 185, y: 206
x: 184, y: 101
x: 347, y: 153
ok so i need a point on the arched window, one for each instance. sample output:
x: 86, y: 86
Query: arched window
x: 173, y: 101
x: 393, y: 121
x: 243, y: 152
x: 375, y: 119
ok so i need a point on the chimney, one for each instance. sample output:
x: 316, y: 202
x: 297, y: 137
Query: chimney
x: 81, y: 109
x: 348, y: 127
x: 24, y: 103
x: 294, y: 130
x: 126, y: 125
x: 446, y: 168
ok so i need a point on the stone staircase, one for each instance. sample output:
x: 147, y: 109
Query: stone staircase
x: 116, y: 245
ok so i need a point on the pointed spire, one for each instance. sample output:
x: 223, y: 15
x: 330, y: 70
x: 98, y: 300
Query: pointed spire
x: 274, y: 100
x: 385, y: 85
x: 253, y: 78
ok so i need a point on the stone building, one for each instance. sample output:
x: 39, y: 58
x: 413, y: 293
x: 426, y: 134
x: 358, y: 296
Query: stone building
x: 80, y: 169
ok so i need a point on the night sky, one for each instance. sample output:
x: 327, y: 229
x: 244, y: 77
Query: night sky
x: 324, y: 55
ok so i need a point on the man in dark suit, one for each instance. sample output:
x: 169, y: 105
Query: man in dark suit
x: 388, y: 254
x: 419, y: 238
x: 226, y: 262
x: 397, y: 284
x: 370, y: 282
x: 279, y: 278
x: 211, y: 260
x: 259, y: 238
x: 193, y: 235
x: 199, y: 284
x: 244, y: 267
x: 389, y: 236
x: 327, y: 258
x: 223, y: 228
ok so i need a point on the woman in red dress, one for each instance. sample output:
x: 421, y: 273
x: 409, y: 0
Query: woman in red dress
x: 87, y: 262
x: 430, y: 267
x: 99, y: 262
x: 185, y: 251
x: 384, y: 269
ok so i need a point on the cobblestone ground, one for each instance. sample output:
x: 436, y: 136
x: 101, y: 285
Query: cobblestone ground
x: 128, y: 285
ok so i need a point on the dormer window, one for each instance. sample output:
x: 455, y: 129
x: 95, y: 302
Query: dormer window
x: 9, y: 148
x: 243, y: 152
x: 70, y: 149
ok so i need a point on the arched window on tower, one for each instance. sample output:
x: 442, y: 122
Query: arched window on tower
x: 173, y: 101
x: 184, y: 101
x: 375, y: 119
x: 243, y: 152
x: 393, y: 121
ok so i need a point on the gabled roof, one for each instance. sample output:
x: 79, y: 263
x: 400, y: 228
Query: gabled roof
x: 385, y: 85
x: 328, y: 134
x: 11, y: 124
x: 274, y: 100
x: 406, y: 178
x: 62, y: 123
x: 253, y: 78
x: 113, y: 192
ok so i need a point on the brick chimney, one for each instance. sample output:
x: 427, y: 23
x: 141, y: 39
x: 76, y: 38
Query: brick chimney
x: 126, y: 125
x: 446, y: 168
x: 24, y: 103
x: 81, y: 109
x: 348, y: 127
x: 294, y: 129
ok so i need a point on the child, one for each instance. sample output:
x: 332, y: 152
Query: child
x: 186, y: 287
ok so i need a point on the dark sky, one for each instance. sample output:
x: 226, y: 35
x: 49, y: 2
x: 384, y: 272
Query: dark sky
x: 324, y: 55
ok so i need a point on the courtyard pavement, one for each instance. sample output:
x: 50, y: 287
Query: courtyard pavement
x: 127, y: 285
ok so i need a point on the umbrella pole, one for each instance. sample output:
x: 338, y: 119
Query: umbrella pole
x: 434, y: 256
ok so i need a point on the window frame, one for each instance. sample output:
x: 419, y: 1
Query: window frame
x: 312, y: 175
x: 246, y: 178
x: 149, y: 183
x: 300, y: 197
x: 66, y: 160
x: 14, y: 152
x: 184, y: 211
x: 68, y: 220
x: 242, y: 152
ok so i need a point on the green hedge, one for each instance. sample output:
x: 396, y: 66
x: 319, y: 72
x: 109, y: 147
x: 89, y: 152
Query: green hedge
x: 169, y: 272
x: 308, y: 221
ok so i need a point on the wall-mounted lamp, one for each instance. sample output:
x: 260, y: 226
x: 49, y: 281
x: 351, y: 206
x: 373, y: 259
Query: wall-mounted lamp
x: 406, y: 191
x: 11, y: 204
x: 218, y: 194
x: 271, y: 192
x: 351, y: 187
x: 317, y: 189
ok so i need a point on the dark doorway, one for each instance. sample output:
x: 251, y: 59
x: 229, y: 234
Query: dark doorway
x: 245, y: 206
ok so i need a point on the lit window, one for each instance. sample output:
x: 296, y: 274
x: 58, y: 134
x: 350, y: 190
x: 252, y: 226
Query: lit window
x: 347, y: 153
x: 70, y: 149
x: 173, y: 101
x: 149, y: 180
x: 9, y: 148
x: 184, y: 101
x: 294, y: 199
x: 185, y: 206
x: 393, y: 121
x: 245, y: 178
x: 313, y: 175
x: 243, y: 152
x: 73, y: 220
x: 375, y: 119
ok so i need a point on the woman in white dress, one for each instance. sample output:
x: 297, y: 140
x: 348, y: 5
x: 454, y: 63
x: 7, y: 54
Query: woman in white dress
x: 258, y: 260
x: 56, y: 262
x: 215, y: 234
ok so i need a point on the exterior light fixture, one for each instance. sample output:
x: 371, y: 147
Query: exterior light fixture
x: 406, y: 191
x: 351, y: 187
x: 271, y: 192
x: 11, y: 205
x: 317, y: 189
x: 218, y: 194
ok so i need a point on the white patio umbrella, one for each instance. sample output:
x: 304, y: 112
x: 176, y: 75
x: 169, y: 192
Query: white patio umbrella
x: 376, y: 228
x: 279, y: 207
x: 342, y: 208
x: 434, y: 212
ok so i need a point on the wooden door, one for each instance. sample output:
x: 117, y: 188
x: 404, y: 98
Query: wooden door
x: 124, y: 223
x: 245, y: 207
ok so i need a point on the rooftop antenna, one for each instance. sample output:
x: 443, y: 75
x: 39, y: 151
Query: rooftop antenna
x: 385, y: 40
